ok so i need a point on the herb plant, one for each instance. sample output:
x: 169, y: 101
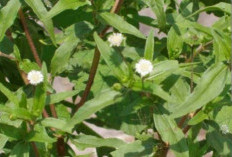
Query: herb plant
x: 164, y: 90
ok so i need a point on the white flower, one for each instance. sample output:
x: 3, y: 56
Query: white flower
x: 115, y: 39
x: 224, y: 128
x: 144, y: 67
x: 35, y: 77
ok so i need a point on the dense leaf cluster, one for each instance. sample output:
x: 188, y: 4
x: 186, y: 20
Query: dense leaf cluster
x: 186, y: 95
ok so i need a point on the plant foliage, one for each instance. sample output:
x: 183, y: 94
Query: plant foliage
x: 187, y: 92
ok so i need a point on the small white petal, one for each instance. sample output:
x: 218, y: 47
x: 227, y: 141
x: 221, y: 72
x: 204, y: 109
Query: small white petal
x: 224, y: 128
x: 115, y: 39
x: 35, y: 77
x: 144, y: 67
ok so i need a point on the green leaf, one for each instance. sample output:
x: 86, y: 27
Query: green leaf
x: 224, y: 117
x: 179, y: 91
x: 127, y: 115
x: 224, y: 7
x: 9, y: 94
x: 84, y: 128
x: 57, y: 97
x: 11, y: 132
x: 63, y: 5
x: 222, y: 45
x: 188, y: 74
x: 40, y: 94
x: 87, y: 141
x: 199, y: 117
x: 162, y: 70
x: 182, y: 26
x: 188, y: 7
x: 149, y: 48
x: 152, y: 88
x: 112, y: 58
x: 105, y: 98
x: 196, y: 148
x: 39, y: 134
x: 26, y: 65
x: 157, y: 7
x: 7, y: 16
x: 62, y: 111
x: 221, y: 143
x: 3, y: 140
x: 62, y: 55
x: 209, y: 87
x: 222, y: 23
x: 170, y: 132
x: 174, y: 42
x: 20, y: 150
x: 17, y: 112
x: 6, y: 46
x: 136, y: 149
x: 120, y: 24
x: 40, y: 10
x: 199, y: 27
x: 5, y: 119
x: 17, y: 53
x: 57, y: 124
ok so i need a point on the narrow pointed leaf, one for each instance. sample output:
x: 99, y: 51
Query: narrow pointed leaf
x: 63, y: 5
x: 7, y: 16
x: 157, y: 7
x: 40, y: 10
x: 19, y: 113
x: 87, y: 141
x: 57, y: 124
x: 62, y: 55
x: 149, y: 49
x: 170, y: 132
x: 174, y: 43
x: 120, y: 24
x: 39, y: 134
x: 112, y: 58
x: 152, y: 88
x: 224, y: 117
x: 162, y: 70
x: 9, y: 94
x: 75, y: 33
x: 105, y: 98
x: 224, y: 7
x: 221, y: 143
x: 209, y: 87
x: 57, y: 97
x: 222, y: 46
x: 136, y: 149
x: 20, y: 150
x: 3, y: 140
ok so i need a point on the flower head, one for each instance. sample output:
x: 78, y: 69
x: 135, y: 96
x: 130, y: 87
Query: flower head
x: 144, y: 67
x: 224, y: 128
x: 35, y: 77
x: 115, y: 39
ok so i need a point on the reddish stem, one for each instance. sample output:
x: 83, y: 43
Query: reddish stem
x: 36, y: 151
x: 29, y: 39
x: 92, y: 73
x: 60, y: 145
x: 96, y: 59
